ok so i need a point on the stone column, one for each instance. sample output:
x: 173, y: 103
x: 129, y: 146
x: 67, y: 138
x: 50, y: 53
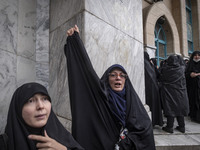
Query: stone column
x: 196, y: 24
x: 112, y: 32
x: 179, y: 14
x: 198, y: 18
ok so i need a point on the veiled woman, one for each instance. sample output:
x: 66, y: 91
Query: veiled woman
x: 193, y: 85
x: 152, y: 92
x: 107, y: 113
x: 32, y: 124
x: 174, y: 92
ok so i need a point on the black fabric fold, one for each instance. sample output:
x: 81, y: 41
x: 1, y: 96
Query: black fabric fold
x: 152, y: 92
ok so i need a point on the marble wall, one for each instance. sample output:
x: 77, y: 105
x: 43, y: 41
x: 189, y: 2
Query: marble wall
x: 8, y: 57
x: 112, y: 33
x: 111, y: 30
x: 42, y: 42
x: 24, y: 47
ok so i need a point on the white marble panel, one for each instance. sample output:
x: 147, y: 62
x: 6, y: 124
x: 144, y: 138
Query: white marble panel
x: 63, y: 11
x: 66, y: 123
x: 42, y: 73
x: 42, y: 53
x: 42, y: 31
x: 42, y: 42
x: 55, y: 54
x: 114, y: 46
x: 7, y: 84
x: 26, y: 28
x: 58, y: 82
x: 63, y: 103
x: 25, y: 70
x: 125, y: 15
x: 8, y: 25
x: 53, y: 68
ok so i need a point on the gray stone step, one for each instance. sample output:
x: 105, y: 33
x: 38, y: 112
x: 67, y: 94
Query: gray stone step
x: 190, y: 140
x: 178, y: 148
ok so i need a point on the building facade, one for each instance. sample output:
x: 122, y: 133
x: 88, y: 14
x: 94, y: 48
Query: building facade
x: 112, y: 33
x: 171, y: 27
x: 33, y: 33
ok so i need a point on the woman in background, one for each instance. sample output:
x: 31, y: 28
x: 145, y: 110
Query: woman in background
x: 174, y: 92
x: 152, y: 91
x: 193, y: 85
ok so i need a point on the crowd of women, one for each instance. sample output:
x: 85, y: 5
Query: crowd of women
x: 107, y: 113
x: 173, y: 89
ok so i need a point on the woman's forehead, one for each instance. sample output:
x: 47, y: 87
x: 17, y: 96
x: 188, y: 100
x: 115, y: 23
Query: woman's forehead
x: 117, y: 70
x: 197, y: 54
x: 39, y: 94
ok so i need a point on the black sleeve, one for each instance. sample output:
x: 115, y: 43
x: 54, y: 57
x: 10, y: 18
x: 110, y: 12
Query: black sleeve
x: 90, y: 113
x: 81, y: 73
x: 3, y: 141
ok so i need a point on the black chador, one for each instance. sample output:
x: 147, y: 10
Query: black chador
x: 193, y: 87
x: 93, y: 124
x: 152, y: 91
x: 173, y: 91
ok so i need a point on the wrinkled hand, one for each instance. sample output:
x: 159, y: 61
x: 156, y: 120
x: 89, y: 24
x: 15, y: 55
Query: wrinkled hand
x: 71, y: 30
x: 46, y: 143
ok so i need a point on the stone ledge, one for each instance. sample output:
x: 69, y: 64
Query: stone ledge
x: 177, y: 140
x: 190, y: 140
x: 178, y: 148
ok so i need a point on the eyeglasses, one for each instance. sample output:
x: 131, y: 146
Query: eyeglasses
x: 115, y: 75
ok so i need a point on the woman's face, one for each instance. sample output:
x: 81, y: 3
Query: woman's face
x: 117, y: 80
x: 36, y: 111
x: 196, y: 57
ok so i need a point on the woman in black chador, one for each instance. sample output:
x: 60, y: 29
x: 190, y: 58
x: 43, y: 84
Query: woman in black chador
x: 31, y: 123
x: 174, y: 92
x: 193, y: 85
x: 152, y: 91
x: 107, y: 113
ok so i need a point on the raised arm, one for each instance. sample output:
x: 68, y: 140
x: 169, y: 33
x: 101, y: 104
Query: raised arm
x: 81, y: 74
x: 91, y: 117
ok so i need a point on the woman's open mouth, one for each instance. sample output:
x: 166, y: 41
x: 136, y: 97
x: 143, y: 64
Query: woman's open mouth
x: 118, y: 85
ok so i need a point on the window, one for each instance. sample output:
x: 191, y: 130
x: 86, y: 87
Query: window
x: 160, y: 43
x: 189, y: 26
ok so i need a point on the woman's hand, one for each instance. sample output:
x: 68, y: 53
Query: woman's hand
x: 71, y: 31
x: 46, y: 143
x: 193, y: 74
